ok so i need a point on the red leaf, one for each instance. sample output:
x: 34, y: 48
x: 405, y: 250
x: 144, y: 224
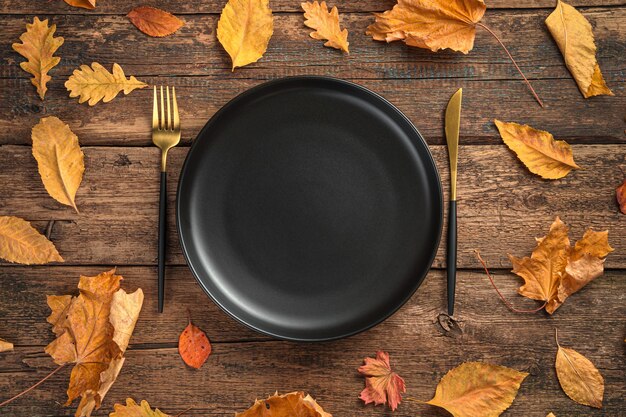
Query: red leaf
x: 620, y: 193
x: 194, y: 346
x: 382, y: 385
x: 154, y: 22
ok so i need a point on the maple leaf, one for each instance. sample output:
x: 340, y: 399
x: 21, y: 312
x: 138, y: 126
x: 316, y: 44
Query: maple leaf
x: 22, y: 243
x: 537, y: 149
x: 5, y: 346
x: 96, y: 83
x: 574, y: 37
x: 38, y: 47
x: 59, y: 158
x: 85, y: 4
x: 579, y: 378
x: 382, y: 385
x: 154, y: 22
x: 132, y: 409
x: 477, y: 389
x: 326, y: 25
x: 244, y: 30
x: 293, y: 404
x: 620, y: 195
x: 194, y: 346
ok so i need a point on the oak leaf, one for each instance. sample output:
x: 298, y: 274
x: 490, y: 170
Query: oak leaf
x: 59, y: 159
x: 85, y: 4
x: 194, y: 346
x: 620, y: 195
x: 293, y: 404
x: 326, y: 25
x: 154, y: 22
x: 537, y: 149
x: 38, y: 47
x: 96, y: 83
x: 22, y: 243
x: 382, y: 385
x: 579, y: 378
x: 477, y: 389
x: 574, y: 37
x: 5, y: 346
x: 132, y: 409
x: 244, y: 30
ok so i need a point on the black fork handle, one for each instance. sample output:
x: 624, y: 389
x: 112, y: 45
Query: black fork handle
x: 162, y: 238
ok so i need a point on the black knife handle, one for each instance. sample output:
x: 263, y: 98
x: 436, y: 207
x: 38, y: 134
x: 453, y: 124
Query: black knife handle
x: 451, y: 256
x: 162, y: 237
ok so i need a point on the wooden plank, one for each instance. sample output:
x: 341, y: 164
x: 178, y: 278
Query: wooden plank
x: 502, y: 207
x: 423, y: 342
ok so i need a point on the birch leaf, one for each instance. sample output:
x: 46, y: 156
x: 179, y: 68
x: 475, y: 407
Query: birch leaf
x: 59, y: 158
x: 574, y: 37
x: 85, y: 4
x: 620, y: 195
x: 38, y: 47
x: 244, y: 30
x: 21, y: 243
x: 132, y: 409
x: 96, y: 83
x: 194, y: 346
x: 326, y: 25
x: 154, y: 22
x: 5, y: 346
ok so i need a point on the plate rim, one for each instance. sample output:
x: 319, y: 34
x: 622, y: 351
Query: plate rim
x: 250, y: 91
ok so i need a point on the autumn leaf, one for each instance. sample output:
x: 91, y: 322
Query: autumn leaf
x: 537, y: 149
x: 154, y: 22
x: 59, y: 158
x: 551, y: 415
x: 38, y: 47
x: 132, y: 409
x: 85, y: 4
x: 326, y: 25
x: 579, y: 378
x: 477, y: 389
x: 96, y: 83
x: 244, y: 30
x: 194, y: 346
x: 5, y: 346
x: 382, y: 385
x: 620, y: 195
x: 21, y: 243
x: 294, y: 404
x: 574, y: 37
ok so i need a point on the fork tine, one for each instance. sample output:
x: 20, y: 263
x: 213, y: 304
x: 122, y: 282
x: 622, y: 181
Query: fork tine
x: 168, y: 126
x: 155, y: 112
x: 175, y: 106
x: 162, y: 124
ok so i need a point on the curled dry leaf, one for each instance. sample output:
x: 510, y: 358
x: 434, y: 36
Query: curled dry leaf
x: 537, y: 149
x: 572, y: 33
x: 154, y: 22
x: 96, y: 83
x: 85, y: 4
x: 132, y: 409
x: 326, y: 25
x: 59, y: 159
x: 382, y: 385
x: 38, y: 47
x: 5, y: 346
x: 294, y: 404
x: 477, y: 389
x: 620, y: 195
x: 21, y: 243
x: 194, y: 346
x: 579, y: 378
x: 555, y: 270
x: 244, y: 30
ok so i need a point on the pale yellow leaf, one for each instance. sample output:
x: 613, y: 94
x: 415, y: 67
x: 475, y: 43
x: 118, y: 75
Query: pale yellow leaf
x: 132, y: 409
x: 21, y: 243
x: 5, y: 346
x: 125, y: 310
x: 326, y: 25
x: 551, y: 415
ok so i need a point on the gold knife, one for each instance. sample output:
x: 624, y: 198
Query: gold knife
x: 453, y: 123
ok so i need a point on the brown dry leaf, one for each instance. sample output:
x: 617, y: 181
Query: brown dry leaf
x: 477, y: 389
x: 132, y: 409
x: 21, y: 243
x: 555, y: 270
x: 194, y: 346
x: 294, y: 404
x: 38, y: 46
x: 59, y: 158
x: 382, y: 385
x: 326, y: 25
x: 579, y: 378
x: 96, y: 83
x: 85, y: 4
x: 620, y: 195
x: 154, y: 22
x: 5, y: 346
x: 537, y: 149
x: 244, y: 30
x: 574, y: 37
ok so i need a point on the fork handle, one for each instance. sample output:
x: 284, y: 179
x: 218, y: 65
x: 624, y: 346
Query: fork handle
x: 162, y: 237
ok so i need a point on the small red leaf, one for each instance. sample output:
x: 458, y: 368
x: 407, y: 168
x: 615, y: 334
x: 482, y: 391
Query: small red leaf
x: 620, y: 193
x: 194, y: 346
x: 154, y: 22
x: 382, y: 385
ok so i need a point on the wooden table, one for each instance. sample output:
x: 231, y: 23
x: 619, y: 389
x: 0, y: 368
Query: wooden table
x: 502, y: 207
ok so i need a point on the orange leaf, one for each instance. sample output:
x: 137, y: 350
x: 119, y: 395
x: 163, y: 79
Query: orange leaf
x: 620, y: 195
x: 194, y: 346
x: 154, y: 22
x: 326, y: 25
x: 382, y: 385
x: 21, y: 243
x: 85, y: 4
x: 5, y: 346
x: 294, y: 404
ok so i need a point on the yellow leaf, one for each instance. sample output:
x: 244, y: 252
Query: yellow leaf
x: 326, y: 25
x: 96, y: 83
x: 537, y: 149
x: 59, y: 158
x: 244, y: 30
x: 85, y: 4
x: 5, y: 346
x: 294, y: 404
x: 21, y: 243
x: 132, y: 409
x: 579, y: 378
x: 430, y: 24
x: 38, y: 45
x: 574, y: 37
x: 477, y: 389
x: 551, y: 415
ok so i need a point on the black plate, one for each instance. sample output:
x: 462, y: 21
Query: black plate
x: 309, y: 208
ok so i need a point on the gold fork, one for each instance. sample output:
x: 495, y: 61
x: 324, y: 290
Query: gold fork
x: 165, y: 135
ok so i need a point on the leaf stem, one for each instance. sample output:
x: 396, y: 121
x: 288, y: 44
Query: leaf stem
x: 26, y: 391
x: 183, y: 412
x: 513, y: 61
x: 504, y: 300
